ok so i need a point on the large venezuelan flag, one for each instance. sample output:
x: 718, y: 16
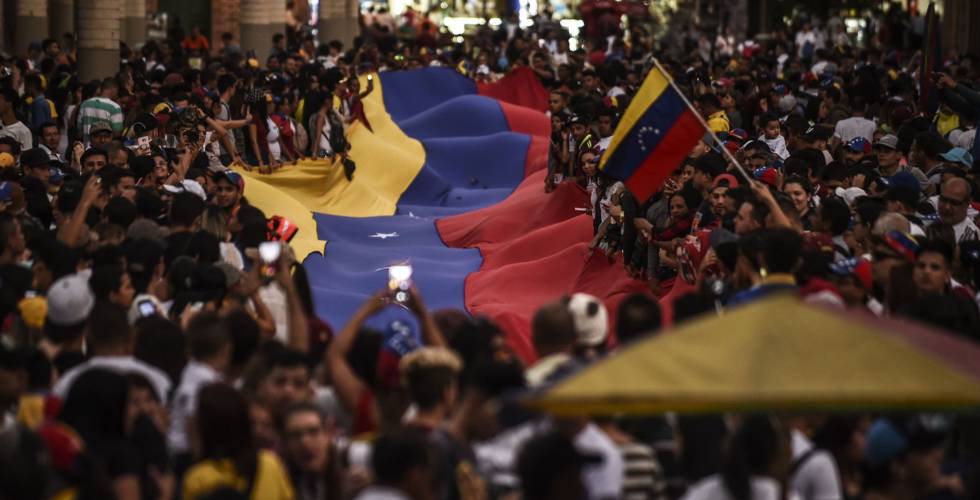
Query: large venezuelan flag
x: 451, y: 181
x: 657, y: 131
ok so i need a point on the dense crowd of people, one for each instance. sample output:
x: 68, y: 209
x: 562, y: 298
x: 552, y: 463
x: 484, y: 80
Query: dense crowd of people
x: 159, y: 338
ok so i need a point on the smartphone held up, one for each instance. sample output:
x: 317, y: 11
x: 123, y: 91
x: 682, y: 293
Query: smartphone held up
x: 400, y: 281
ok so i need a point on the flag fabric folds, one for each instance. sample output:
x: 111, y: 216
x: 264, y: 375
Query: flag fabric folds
x: 657, y: 131
x: 451, y: 181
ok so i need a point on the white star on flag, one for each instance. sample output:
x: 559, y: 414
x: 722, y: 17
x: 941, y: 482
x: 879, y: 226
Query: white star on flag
x: 384, y: 236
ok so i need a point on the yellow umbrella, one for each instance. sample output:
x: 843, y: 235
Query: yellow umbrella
x: 778, y: 354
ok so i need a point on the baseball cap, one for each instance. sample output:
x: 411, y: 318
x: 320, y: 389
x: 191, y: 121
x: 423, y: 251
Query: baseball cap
x: 887, y: 141
x: 859, y: 145
x: 187, y: 186
x: 850, y: 195
x: 100, y: 127
x: 70, y: 300
x: 903, y: 194
x: 729, y: 179
x: 817, y: 133
x: 859, y: 267
x: 35, y: 157
x: 902, y: 244
x: 958, y: 155
x: 591, y: 319
x: 739, y: 135
x: 232, y: 177
x: 766, y: 175
x: 889, y: 438
x: 905, y: 179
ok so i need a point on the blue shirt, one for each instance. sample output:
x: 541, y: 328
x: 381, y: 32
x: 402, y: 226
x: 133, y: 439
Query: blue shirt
x: 40, y: 112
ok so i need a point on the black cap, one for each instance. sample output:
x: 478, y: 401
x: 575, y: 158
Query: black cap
x: 818, y: 133
x: 35, y: 157
x: 710, y: 163
x: 142, y: 165
x: 903, y: 194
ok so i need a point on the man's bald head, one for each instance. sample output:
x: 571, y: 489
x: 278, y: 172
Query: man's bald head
x: 552, y: 329
x: 954, y: 200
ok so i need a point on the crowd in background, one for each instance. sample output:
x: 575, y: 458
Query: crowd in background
x: 159, y: 339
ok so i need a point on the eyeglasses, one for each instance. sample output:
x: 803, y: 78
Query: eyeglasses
x: 951, y: 201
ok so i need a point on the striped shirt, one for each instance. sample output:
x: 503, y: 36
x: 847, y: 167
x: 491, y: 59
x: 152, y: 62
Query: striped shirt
x: 99, y: 109
x: 643, y: 478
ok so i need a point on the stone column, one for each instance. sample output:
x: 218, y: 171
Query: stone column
x: 32, y: 24
x: 98, y: 38
x: 260, y: 20
x: 336, y: 22
x: 132, y: 27
x: 61, y: 18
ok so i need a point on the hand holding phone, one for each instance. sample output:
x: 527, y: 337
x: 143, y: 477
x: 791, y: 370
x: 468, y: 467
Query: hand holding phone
x: 269, y: 254
x: 400, y: 281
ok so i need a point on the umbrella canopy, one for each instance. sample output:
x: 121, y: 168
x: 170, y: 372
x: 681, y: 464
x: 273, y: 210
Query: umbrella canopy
x: 778, y: 354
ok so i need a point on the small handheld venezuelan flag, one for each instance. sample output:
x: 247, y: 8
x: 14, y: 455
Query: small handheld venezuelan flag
x: 657, y: 131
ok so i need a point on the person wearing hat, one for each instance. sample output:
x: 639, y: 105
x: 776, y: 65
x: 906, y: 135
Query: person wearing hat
x: 100, y: 135
x: 890, y: 158
x: 37, y: 170
x: 903, y: 199
x: 101, y: 109
x: 903, y: 459
x: 855, y: 151
x: 959, y: 158
x: 852, y: 277
x: 229, y: 189
x: 591, y: 324
x: 855, y: 126
x: 891, y: 251
x: 709, y: 105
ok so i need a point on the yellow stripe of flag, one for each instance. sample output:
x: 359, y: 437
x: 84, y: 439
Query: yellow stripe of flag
x: 653, y: 86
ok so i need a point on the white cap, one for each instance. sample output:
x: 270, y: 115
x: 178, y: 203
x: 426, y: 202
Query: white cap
x: 187, y: 185
x: 70, y: 300
x: 849, y: 195
x: 591, y: 319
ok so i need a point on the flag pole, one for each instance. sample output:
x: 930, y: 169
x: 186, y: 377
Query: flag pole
x: 724, y: 150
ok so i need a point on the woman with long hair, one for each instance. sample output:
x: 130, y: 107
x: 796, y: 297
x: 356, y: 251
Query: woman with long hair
x: 798, y: 189
x: 228, y: 460
x: 755, y: 465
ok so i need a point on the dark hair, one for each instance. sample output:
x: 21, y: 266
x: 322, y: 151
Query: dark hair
x: 638, y: 315
x: 427, y: 384
x: 937, y: 246
x: 782, y: 247
x: 836, y: 215
x: 397, y: 453
x: 552, y: 328
x: 142, y: 258
x: 225, y: 427
x: 120, y: 211
x: 185, y: 209
x: 753, y: 449
x: 96, y: 406
x: 692, y: 198
x: 709, y: 99
x: 105, y: 280
x: 244, y: 337
x: 207, y: 334
x: 93, y: 151
x: 107, y: 327
x: 161, y: 343
x: 932, y: 144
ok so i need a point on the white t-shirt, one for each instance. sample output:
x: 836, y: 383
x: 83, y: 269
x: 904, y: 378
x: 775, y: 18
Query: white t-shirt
x: 712, y: 488
x: 194, y: 376
x: 855, y: 126
x: 817, y: 477
x: 18, y: 131
x: 123, y: 365
x: 273, y: 139
x: 324, y: 138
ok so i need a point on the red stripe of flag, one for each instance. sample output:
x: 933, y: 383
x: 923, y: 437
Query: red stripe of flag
x: 661, y: 162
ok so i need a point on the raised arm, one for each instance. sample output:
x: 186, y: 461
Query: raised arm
x: 348, y: 386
